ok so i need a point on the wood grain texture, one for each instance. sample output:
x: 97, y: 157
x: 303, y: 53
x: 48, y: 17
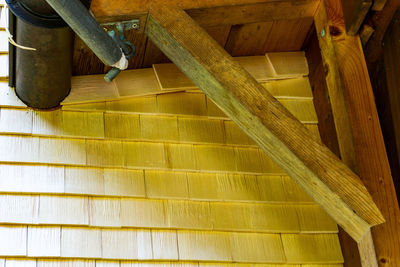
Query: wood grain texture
x: 367, y: 251
x: 165, y: 244
x: 262, y: 248
x: 8, y: 96
x: 62, y: 151
x: 191, y: 37
x: 379, y: 5
x: 164, y: 78
x: 121, y: 244
x: 19, y: 208
x: 136, y: 82
x: 65, y: 263
x: 379, y: 84
x: 283, y: 217
x: 85, y: 62
x: 13, y: 240
x: 27, y: 178
x: 336, y: 91
x: 22, y: 149
x: 391, y: 51
x: 254, y: 10
x: 354, y: 13
x: 288, y: 64
x: 81, y: 242
x: 105, y: 212
x: 17, y: 121
x: 254, y: 13
x: 328, y: 132
x: 20, y: 262
x: 244, y: 40
x: 380, y: 21
x: 187, y: 103
x: 44, y: 241
x: 153, y: 54
x: 288, y: 35
x: 204, y: 246
x: 312, y: 248
x: 63, y: 210
x: 82, y: 180
x: 160, y: 184
x: 369, y: 146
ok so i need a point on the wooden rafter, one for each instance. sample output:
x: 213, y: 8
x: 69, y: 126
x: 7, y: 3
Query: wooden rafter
x: 321, y: 174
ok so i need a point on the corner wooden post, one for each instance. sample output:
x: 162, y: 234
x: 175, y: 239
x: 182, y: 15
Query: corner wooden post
x: 343, y: 59
x: 313, y: 166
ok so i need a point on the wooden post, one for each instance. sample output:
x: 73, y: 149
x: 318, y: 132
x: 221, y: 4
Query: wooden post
x: 313, y: 166
x: 343, y: 56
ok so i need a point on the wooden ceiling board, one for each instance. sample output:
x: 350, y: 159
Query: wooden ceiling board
x: 85, y: 62
x: 288, y: 35
x: 217, y: 18
x: 127, y: 7
x: 153, y: 55
x: 262, y: 12
x: 248, y: 39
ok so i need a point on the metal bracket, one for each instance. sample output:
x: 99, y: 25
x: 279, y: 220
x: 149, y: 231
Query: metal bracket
x: 127, y: 25
x: 117, y: 31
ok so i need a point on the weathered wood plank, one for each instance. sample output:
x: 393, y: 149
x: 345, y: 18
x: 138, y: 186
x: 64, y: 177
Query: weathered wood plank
x: 213, y: 13
x: 153, y: 54
x: 288, y: 35
x: 390, y: 53
x: 241, y: 97
x: 354, y: 14
x: 335, y: 85
x: 372, y: 163
x: 166, y: 78
x: 261, y: 12
x: 322, y: 102
x: 379, y: 5
x: 380, y: 21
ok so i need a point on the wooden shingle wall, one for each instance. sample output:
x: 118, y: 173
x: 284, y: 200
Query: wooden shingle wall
x: 163, y: 180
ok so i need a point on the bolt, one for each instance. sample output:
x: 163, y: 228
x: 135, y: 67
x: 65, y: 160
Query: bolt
x: 135, y: 26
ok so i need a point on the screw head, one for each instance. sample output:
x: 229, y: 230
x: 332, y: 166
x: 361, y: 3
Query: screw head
x: 323, y: 33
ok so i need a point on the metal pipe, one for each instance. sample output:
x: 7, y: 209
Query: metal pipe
x: 83, y: 23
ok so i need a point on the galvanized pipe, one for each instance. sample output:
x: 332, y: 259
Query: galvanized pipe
x: 83, y: 23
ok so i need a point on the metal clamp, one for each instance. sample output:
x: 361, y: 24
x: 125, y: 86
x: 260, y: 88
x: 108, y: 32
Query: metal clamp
x: 116, y: 31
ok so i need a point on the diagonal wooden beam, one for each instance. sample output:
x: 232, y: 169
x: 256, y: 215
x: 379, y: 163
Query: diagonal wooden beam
x: 311, y: 164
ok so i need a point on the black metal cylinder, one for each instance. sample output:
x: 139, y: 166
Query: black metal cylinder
x: 43, y: 77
